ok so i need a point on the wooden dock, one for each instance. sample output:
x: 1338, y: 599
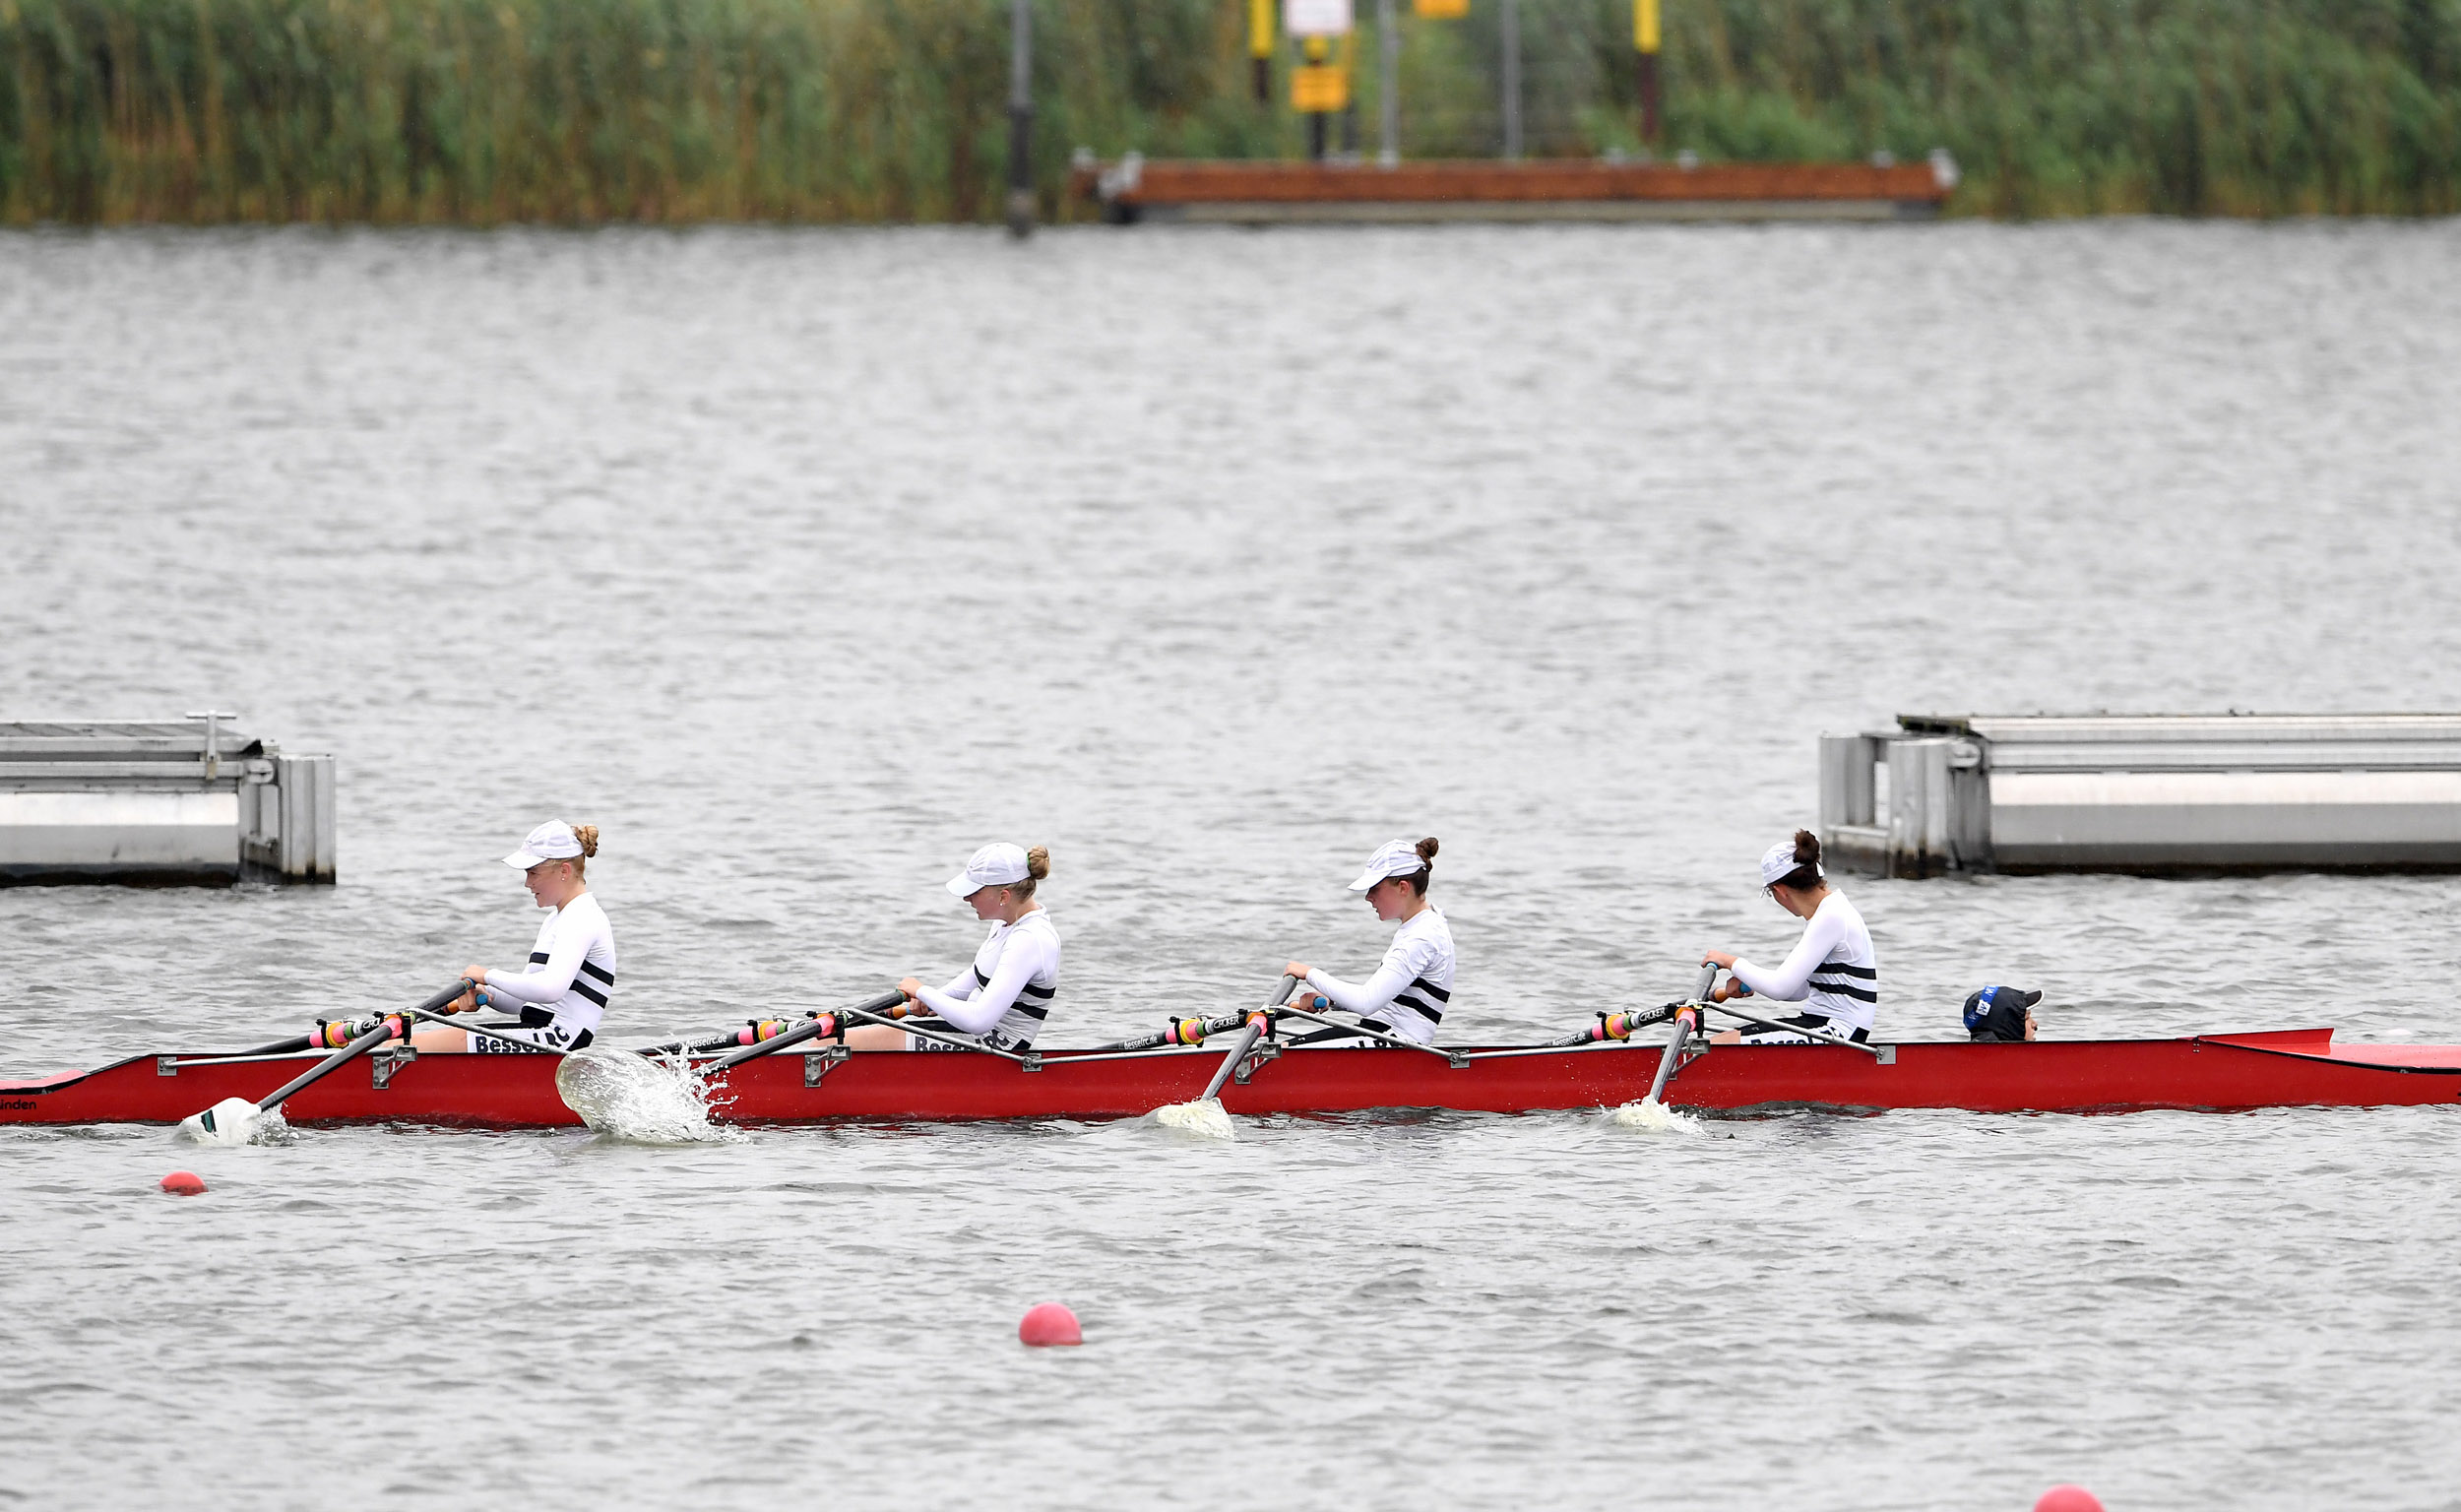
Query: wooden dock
x: 1134, y: 190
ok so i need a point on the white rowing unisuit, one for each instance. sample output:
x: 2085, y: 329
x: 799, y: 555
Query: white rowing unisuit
x: 1009, y: 991
x: 1831, y: 970
x: 1412, y: 984
x: 572, y: 974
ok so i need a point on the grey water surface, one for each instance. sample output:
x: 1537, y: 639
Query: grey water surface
x: 802, y: 563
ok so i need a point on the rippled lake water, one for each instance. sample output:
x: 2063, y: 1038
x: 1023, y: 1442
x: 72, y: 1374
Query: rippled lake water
x: 803, y: 563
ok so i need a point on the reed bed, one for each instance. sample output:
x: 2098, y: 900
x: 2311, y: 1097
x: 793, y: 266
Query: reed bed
x: 582, y: 112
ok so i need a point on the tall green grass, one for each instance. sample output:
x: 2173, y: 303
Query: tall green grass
x: 482, y: 112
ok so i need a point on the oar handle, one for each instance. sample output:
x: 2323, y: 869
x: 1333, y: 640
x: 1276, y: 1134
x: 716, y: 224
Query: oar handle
x: 1708, y: 981
x: 354, y: 1049
x: 798, y: 1035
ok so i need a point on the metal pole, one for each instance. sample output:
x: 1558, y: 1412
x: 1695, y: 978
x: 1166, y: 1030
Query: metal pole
x: 1021, y: 205
x: 1389, y: 82
x: 1512, y: 78
x: 1260, y: 47
x: 1645, y: 48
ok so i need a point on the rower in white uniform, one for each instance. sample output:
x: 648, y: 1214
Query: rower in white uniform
x: 1831, y: 971
x: 559, y: 999
x: 1003, y: 1000
x: 1414, y: 983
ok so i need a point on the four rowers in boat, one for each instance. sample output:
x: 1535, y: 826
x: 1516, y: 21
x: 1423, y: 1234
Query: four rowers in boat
x: 1003, y: 999
x: 1831, y: 971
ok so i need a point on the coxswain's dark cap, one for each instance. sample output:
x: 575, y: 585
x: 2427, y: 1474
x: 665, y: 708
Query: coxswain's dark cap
x: 1999, y: 1013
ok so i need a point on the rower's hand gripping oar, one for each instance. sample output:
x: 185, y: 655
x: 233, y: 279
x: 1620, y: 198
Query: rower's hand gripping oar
x: 1204, y: 1116
x: 234, y: 1120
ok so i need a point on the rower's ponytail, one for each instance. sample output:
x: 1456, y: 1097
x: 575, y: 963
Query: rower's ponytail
x: 1037, y: 866
x: 1806, y: 874
x: 588, y: 834
x: 1418, y: 880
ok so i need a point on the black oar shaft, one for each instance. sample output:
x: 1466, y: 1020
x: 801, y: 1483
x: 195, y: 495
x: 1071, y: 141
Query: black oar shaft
x: 796, y: 1036
x: 354, y: 1051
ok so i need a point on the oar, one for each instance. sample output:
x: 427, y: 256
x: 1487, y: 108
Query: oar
x: 1615, y: 1025
x: 1685, y: 1021
x: 1203, y: 1114
x: 1363, y: 1031
x: 824, y: 1024
x: 1187, y: 1031
x: 234, y: 1120
x: 1819, y: 1036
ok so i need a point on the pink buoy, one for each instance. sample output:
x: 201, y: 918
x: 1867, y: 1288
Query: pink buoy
x: 1050, y: 1323
x: 184, y: 1183
x: 2067, y: 1499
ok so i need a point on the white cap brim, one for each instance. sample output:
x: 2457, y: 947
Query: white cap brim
x: 523, y: 860
x: 963, y: 886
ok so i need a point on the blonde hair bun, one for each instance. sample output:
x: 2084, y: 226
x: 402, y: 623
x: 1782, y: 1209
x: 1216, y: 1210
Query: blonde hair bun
x: 588, y: 834
x: 1038, y: 863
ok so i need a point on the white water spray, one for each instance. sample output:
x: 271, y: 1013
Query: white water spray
x: 1203, y: 1118
x: 1651, y: 1116
x: 642, y: 1099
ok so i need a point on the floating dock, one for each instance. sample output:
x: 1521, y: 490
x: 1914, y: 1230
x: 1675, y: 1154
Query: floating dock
x: 1134, y: 190
x: 162, y: 802
x: 2147, y: 794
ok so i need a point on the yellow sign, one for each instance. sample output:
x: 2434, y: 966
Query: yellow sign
x: 1645, y: 24
x: 1320, y: 87
x: 1439, y: 10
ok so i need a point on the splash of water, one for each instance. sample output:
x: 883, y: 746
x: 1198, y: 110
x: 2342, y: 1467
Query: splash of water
x: 1203, y: 1118
x: 642, y: 1099
x: 1652, y: 1117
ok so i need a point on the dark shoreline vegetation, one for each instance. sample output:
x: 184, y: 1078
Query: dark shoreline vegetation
x: 672, y: 111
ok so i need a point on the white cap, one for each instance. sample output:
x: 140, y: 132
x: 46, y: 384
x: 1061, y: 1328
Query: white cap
x: 554, y: 841
x: 1779, y: 860
x: 1393, y: 859
x: 999, y: 865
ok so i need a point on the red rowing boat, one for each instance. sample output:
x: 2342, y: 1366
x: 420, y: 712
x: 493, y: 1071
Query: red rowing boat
x: 2220, y: 1072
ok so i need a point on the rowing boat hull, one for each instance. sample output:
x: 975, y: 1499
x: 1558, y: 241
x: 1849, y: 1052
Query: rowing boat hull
x: 2222, y: 1072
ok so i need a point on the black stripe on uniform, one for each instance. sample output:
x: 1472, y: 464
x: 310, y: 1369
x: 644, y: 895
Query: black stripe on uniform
x: 588, y: 991
x: 1867, y: 973
x: 600, y: 971
x: 538, y: 958
x: 1843, y: 989
x: 1417, y: 1007
x: 1433, y: 990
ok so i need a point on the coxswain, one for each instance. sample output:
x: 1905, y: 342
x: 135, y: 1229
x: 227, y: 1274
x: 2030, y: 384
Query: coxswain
x: 1831, y: 971
x: 559, y: 999
x: 2000, y: 1015
x: 1414, y: 983
x: 1001, y: 1001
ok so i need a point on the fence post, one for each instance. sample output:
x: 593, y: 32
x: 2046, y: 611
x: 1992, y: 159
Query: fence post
x: 1021, y: 205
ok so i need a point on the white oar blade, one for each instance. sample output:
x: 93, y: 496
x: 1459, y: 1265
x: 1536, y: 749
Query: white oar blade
x: 1651, y: 1116
x: 231, y: 1121
x: 1203, y: 1118
x: 638, y: 1098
